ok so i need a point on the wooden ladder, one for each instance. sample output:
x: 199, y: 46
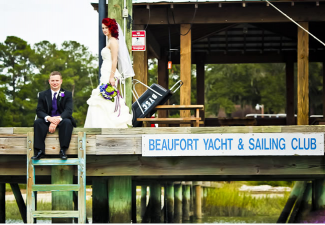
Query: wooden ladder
x: 80, y: 187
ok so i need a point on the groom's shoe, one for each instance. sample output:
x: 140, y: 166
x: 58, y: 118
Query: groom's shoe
x: 62, y: 154
x: 40, y: 154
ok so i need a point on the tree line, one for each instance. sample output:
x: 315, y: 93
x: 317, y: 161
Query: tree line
x: 25, y: 69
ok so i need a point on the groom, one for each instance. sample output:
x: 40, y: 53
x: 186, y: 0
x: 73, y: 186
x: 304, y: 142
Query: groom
x: 54, y: 110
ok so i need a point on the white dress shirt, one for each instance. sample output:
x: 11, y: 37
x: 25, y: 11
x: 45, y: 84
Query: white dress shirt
x: 57, y: 94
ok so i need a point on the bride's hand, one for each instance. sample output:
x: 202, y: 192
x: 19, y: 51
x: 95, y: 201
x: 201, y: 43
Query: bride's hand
x: 112, y: 81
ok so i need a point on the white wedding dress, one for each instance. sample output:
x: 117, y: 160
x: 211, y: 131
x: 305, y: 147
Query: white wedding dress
x: 101, y: 112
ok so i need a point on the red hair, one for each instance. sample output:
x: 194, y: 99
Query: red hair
x: 112, y: 26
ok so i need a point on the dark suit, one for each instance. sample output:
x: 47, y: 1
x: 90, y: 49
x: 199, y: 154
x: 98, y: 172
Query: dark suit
x: 44, y: 108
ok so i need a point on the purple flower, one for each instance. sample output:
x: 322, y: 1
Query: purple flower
x: 62, y: 94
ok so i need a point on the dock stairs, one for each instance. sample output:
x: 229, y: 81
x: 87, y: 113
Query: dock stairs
x: 80, y: 187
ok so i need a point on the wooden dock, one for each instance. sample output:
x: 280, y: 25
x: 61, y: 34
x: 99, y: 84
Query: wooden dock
x: 115, y: 166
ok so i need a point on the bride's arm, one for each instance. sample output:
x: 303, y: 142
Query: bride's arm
x: 114, y: 52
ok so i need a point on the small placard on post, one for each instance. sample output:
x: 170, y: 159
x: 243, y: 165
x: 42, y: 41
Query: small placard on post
x: 139, y: 40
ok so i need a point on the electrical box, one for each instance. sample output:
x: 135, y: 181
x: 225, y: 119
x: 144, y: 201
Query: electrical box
x: 125, y: 13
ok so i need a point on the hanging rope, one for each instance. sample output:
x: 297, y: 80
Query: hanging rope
x: 295, y: 22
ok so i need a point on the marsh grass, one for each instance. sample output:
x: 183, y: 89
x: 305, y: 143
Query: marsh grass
x: 229, y: 201
x: 12, y: 210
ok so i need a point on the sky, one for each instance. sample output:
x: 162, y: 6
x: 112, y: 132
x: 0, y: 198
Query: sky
x: 53, y: 20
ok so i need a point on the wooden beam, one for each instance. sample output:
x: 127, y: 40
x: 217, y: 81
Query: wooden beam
x: 115, y: 8
x: 62, y: 200
x: 297, y: 190
x: 290, y: 106
x: 185, y: 68
x: 120, y: 198
x: 163, y: 80
x: 233, y: 13
x: 200, y: 87
x: 153, y: 45
x: 100, y: 200
x: 140, y: 66
x: 20, y: 201
x: 303, y: 76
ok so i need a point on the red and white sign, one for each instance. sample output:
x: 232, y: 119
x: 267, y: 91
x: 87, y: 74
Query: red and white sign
x: 138, y: 40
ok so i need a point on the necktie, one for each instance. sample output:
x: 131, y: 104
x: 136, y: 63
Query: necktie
x: 54, y: 111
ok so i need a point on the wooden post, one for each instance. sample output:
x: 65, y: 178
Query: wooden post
x: 185, y: 69
x: 143, y: 200
x: 100, y: 200
x: 186, y: 202
x: 134, y: 203
x: 2, y: 202
x: 319, y: 194
x: 290, y: 106
x: 197, y: 201
x: 170, y: 202
x: 20, y: 201
x: 324, y: 89
x: 120, y: 199
x: 62, y: 200
x: 115, y: 8
x: 178, y: 203
x: 200, y: 87
x: 140, y: 66
x: 163, y: 81
x: 155, y: 199
x: 30, y: 197
x: 305, y: 206
x: 297, y: 190
x: 302, y: 76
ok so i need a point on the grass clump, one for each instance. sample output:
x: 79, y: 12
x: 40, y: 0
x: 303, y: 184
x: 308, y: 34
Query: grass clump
x: 229, y: 201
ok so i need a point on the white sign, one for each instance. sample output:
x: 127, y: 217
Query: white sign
x: 252, y: 144
x: 138, y: 40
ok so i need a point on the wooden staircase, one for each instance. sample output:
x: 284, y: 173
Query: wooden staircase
x: 80, y: 187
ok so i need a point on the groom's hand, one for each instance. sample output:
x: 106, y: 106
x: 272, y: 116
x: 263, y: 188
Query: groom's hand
x: 52, y: 128
x: 55, y: 120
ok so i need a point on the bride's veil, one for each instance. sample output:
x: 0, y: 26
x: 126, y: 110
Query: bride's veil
x: 124, y: 64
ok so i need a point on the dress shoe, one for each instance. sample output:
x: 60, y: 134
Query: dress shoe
x: 62, y: 154
x: 40, y: 154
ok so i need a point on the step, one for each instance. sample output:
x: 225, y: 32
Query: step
x: 55, y: 187
x: 55, y: 214
x: 56, y: 162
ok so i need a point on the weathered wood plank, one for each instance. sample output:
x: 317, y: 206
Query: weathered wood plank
x: 17, y: 146
x: 30, y: 197
x: 55, y: 214
x: 55, y: 187
x: 106, y: 145
x: 302, y: 75
x: 303, y: 129
x: 158, y: 107
x: 82, y: 177
x: 56, y: 162
x: 6, y: 130
x: 24, y: 130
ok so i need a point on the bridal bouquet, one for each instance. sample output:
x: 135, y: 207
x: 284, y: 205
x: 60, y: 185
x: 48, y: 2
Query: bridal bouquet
x: 108, y: 92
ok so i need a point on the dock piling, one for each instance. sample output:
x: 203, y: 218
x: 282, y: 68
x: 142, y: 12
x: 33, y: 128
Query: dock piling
x: 170, y: 202
x: 120, y: 199
x: 100, y: 199
x: 155, y: 198
x: 186, y: 201
x: 2, y: 202
x: 178, y: 203
x: 198, y: 200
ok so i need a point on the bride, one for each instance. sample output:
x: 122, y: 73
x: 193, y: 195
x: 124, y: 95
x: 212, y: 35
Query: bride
x: 103, y: 113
